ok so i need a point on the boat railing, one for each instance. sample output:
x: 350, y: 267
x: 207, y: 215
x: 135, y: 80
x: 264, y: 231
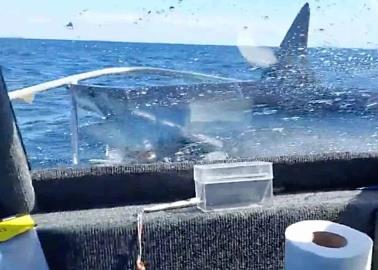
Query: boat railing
x: 27, y: 94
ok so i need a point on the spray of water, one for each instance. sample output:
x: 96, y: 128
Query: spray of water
x: 256, y: 55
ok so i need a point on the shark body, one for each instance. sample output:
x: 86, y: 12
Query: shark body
x: 151, y: 123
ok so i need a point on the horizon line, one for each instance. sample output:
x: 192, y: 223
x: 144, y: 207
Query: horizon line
x: 171, y: 43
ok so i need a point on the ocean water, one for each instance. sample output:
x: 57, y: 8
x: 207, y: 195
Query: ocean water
x: 45, y: 125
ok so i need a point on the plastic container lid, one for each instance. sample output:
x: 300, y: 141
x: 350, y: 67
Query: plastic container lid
x: 229, y: 172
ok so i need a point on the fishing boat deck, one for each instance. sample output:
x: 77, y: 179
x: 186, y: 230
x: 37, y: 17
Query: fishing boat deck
x: 87, y: 217
x: 253, y: 238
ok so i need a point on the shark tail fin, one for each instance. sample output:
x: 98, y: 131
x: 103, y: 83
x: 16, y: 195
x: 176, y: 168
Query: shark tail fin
x: 295, y: 40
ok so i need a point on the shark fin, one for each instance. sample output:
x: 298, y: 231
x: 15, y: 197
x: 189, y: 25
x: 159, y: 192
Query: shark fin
x: 292, y: 51
x: 295, y: 40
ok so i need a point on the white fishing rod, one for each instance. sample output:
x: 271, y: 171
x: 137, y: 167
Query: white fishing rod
x: 27, y: 94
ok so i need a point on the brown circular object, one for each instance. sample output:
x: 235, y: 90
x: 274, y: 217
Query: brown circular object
x: 329, y: 240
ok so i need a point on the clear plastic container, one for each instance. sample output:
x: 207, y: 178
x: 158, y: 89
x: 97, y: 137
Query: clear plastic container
x: 233, y: 185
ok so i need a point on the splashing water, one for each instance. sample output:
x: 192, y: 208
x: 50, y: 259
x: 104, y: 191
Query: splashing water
x: 255, y: 55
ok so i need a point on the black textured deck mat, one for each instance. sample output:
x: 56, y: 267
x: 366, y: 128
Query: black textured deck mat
x: 83, y: 188
x: 189, y: 239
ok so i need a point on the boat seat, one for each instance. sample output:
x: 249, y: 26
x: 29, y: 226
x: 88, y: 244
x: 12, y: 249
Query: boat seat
x: 17, y: 194
x: 87, y: 216
x: 189, y: 239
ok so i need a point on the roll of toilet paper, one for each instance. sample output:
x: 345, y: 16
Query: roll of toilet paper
x: 318, y: 244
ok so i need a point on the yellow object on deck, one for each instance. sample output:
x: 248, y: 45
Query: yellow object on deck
x: 14, y: 226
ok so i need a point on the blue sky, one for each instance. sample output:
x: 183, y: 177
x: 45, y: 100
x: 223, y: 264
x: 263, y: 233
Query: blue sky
x: 345, y: 23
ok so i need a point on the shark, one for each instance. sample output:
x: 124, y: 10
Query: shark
x: 181, y: 122
x: 155, y: 122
